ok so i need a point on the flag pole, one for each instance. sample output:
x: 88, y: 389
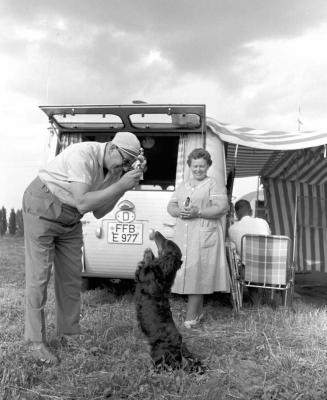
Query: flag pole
x: 299, y: 126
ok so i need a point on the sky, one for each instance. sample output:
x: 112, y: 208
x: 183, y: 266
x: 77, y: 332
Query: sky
x: 252, y: 62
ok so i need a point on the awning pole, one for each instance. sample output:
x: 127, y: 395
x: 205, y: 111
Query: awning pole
x: 235, y: 154
x: 295, y: 221
x: 297, y: 186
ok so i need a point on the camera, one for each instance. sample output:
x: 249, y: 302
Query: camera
x: 140, y: 162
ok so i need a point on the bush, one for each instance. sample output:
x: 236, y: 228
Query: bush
x: 12, y: 222
x: 20, y: 222
x: 3, y: 221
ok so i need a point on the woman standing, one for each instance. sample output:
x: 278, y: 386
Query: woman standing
x: 198, y: 204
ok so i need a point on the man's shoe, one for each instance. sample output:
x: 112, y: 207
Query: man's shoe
x: 41, y: 352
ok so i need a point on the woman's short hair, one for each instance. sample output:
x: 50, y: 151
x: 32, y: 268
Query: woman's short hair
x: 199, y: 153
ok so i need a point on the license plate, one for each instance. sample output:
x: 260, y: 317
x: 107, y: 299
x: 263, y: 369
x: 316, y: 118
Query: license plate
x: 124, y: 233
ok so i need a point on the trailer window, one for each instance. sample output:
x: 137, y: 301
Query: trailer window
x: 165, y: 121
x: 161, y: 154
x: 88, y: 121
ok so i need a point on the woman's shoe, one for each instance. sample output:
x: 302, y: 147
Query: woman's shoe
x: 74, y: 340
x: 41, y: 352
x: 192, y: 323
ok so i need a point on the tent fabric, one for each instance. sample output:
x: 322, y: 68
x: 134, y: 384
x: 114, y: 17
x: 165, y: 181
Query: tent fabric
x: 293, y: 170
x: 267, y: 140
x: 257, y: 152
x: 248, y: 161
x: 307, y: 165
x: 283, y: 199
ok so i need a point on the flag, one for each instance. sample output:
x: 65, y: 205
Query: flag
x: 299, y: 120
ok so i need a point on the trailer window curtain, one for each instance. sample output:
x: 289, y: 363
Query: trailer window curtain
x: 52, y: 145
x: 187, y: 143
x: 214, y: 145
x: 66, y: 139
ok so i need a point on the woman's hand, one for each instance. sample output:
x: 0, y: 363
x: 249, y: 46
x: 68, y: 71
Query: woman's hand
x: 189, y: 212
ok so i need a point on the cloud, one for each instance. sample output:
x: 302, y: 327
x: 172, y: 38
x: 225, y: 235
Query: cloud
x: 251, y: 62
x: 111, y: 51
x: 284, y: 72
x: 192, y: 35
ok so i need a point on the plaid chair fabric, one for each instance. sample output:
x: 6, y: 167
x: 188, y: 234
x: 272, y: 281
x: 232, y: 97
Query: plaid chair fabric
x: 266, y: 259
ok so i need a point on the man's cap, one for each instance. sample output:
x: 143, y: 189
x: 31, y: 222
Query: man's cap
x: 128, y: 142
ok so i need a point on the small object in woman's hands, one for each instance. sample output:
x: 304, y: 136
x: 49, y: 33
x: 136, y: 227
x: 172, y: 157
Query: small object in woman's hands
x: 151, y: 234
x: 187, y: 202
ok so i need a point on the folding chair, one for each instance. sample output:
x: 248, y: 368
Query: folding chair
x: 267, y: 264
x: 234, y: 278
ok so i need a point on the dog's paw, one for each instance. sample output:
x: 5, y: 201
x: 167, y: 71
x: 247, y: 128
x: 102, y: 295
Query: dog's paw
x: 152, y: 233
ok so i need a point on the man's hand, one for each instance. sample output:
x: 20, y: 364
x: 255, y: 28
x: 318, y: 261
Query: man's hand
x: 130, y: 179
x: 102, y: 201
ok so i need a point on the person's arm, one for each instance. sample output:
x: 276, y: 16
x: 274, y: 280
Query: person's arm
x: 173, y: 209
x: 102, y: 201
x: 103, y: 210
x: 213, y: 211
x: 218, y: 201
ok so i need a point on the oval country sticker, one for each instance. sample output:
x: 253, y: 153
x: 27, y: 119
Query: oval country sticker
x: 125, y: 216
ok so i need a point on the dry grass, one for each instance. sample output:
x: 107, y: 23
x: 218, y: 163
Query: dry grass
x: 260, y: 354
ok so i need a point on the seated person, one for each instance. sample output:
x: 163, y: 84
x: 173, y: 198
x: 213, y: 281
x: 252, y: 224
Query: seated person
x: 246, y: 224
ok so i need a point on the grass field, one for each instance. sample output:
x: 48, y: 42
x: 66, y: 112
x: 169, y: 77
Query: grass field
x: 259, y: 354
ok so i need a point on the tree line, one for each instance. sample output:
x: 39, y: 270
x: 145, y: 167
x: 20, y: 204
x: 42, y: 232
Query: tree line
x: 14, y: 225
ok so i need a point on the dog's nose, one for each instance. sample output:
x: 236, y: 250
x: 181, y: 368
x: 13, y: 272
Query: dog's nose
x: 151, y: 234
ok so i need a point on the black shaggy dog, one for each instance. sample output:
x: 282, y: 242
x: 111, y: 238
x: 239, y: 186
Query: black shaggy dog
x: 154, y: 278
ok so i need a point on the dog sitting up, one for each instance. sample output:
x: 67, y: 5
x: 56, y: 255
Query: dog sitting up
x: 154, y: 278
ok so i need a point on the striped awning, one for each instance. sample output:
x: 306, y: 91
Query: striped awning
x: 267, y: 140
x: 256, y: 152
x: 284, y: 198
x: 293, y: 168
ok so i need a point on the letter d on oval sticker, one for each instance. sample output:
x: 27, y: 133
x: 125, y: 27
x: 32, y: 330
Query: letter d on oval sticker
x: 125, y: 216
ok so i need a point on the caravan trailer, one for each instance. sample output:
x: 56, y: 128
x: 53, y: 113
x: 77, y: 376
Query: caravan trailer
x: 115, y: 243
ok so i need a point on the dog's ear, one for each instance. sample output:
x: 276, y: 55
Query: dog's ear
x: 171, y: 262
